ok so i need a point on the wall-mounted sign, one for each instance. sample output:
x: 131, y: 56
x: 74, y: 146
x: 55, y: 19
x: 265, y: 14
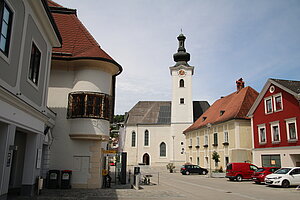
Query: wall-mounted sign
x: 273, y: 162
x: 109, y: 152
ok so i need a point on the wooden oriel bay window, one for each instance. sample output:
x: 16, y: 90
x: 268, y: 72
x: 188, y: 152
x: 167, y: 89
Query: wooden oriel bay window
x: 90, y: 105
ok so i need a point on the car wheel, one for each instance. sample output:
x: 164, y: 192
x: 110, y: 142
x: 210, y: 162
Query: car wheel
x: 187, y: 173
x: 204, y: 172
x: 285, y: 184
x: 239, y: 178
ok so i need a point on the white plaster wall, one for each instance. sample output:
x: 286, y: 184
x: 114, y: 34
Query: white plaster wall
x: 284, y: 153
x: 177, y: 131
x: 157, y: 134
x: 182, y: 112
x: 92, y: 80
x: 67, y: 153
x: 89, y: 126
x: 20, y: 118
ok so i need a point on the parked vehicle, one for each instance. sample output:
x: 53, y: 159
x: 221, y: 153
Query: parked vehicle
x: 284, y: 177
x: 240, y: 171
x: 192, y: 169
x: 259, y: 175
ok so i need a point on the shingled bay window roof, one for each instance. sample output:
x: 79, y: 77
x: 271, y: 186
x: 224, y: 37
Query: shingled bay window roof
x: 234, y: 106
x: 77, y: 43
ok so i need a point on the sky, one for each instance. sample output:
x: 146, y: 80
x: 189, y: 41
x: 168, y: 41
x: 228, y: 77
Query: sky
x: 227, y: 39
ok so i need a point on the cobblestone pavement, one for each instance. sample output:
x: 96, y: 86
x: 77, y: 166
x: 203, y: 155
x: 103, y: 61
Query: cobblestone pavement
x: 152, y: 191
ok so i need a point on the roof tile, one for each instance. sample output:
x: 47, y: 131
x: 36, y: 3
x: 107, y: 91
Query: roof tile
x: 77, y: 41
x: 234, y: 106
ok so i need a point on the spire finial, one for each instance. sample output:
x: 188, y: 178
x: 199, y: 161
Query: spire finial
x: 181, y: 57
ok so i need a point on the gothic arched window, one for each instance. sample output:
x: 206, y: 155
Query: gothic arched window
x: 146, y: 138
x: 162, y: 149
x: 133, y: 139
x: 181, y: 83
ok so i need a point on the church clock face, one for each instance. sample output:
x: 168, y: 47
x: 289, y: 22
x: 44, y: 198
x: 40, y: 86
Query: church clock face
x: 181, y: 72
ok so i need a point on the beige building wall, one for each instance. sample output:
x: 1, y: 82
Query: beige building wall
x: 238, y: 148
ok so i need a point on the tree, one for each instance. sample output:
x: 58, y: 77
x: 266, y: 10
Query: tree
x: 215, y: 157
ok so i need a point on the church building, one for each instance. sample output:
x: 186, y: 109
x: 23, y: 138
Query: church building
x: 154, y: 128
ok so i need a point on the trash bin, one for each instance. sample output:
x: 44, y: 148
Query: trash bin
x: 53, y: 179
x: 65, y: 182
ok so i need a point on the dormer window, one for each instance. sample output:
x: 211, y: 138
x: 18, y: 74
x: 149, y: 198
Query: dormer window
x: 181, y: 83
x: 222, y: 112
x: 204, y: 118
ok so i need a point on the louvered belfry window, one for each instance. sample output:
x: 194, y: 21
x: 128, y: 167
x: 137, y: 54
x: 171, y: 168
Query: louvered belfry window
x: 90, y: 105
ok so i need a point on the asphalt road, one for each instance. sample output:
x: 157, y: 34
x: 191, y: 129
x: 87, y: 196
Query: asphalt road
x: 202, y: 187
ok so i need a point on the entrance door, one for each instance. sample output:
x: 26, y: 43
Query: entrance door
x: 146, y: 159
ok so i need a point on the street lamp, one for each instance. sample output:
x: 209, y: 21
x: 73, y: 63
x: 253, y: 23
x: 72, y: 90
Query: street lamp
x: 208, y: 130
x: 173, y: 136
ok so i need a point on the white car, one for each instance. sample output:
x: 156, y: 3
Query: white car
x: 284, y: 177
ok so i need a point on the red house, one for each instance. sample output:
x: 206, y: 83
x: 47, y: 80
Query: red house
x: 275, y: 120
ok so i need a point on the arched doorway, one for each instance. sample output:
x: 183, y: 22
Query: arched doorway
x: 146, y: 159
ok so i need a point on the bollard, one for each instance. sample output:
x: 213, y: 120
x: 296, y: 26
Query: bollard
x: 137, y: 181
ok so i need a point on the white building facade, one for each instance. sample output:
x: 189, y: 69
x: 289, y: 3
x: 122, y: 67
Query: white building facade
x: 154, y: 128
x: 81, y: 93
x: 28, y: 34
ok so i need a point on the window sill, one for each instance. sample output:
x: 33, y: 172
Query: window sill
x: 225, y: 143
x: 197, y: 146
x: 293, y: 141
x: 262, y: 143
x: 275, y: 142
x: 190, y: 146
x: 215, y: 145
x: 206, y: 145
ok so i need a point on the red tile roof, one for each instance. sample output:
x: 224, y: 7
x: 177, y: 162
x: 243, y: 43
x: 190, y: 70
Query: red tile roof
x: 233, y: 106
x: 77, y: 41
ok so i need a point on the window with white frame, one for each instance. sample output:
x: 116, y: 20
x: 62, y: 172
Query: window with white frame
x: 215, y: 139
x: 6, y: 16
x: 225, y: 136
x: 34, y: 67
x: 278, y: 102
x: 206, y: 139
x: 146, y: 138
x: 275, y: 132
x: 261, y: 131
x: 291, y: 129
x: 198, y: 141
x: 191, y: 142
x: 268, y: 105
x: 133, y: 139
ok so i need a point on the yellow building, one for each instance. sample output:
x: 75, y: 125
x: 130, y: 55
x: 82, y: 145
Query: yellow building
x: 223, y: 130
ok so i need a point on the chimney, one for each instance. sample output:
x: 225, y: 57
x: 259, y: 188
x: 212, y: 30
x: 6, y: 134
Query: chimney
x: 240, y: 84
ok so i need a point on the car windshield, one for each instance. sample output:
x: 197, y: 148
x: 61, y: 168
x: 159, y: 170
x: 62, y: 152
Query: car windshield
x: 283, y: 171
x: 260, y: 170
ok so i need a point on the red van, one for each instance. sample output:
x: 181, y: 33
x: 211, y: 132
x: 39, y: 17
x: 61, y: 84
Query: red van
x: 240, y: 171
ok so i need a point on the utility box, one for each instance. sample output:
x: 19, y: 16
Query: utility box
x: 65, y: 182
x: 53, y: 179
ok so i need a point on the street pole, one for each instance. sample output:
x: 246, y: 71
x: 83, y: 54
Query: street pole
x: 209, y: 143
x: 173, y: 136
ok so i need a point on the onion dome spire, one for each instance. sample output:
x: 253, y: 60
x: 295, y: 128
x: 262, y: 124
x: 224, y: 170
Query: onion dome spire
x: 181, y: 57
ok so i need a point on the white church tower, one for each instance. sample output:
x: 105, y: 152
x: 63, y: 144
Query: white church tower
x: 182, y: 102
